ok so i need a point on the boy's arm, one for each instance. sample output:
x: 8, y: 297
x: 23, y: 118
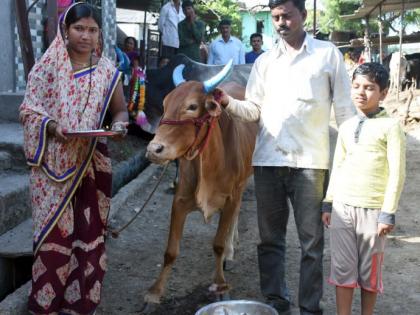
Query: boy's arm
x: 339, y: 156
x: 340, y: 87
x: 396, y: 166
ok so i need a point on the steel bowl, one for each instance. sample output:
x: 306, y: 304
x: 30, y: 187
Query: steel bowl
x: 238, y: 307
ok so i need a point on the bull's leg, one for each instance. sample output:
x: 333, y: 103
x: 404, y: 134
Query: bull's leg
x: 231, y: 243
x: 227, y: 218
x: 180, y: 209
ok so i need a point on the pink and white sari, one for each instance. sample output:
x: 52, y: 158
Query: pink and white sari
x: 70, y: 184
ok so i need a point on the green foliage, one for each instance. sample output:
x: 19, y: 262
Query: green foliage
x: 212, y: 11
x: 329, y: 20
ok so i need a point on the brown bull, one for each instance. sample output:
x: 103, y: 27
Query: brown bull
x: 215, y: 153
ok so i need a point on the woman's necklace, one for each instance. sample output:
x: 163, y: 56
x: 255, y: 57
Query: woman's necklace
x: 82, y: 64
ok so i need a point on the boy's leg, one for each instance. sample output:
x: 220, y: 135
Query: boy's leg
x: 273, y: 214
x: 344, y: 298
x: 371, y: 251
x: 368, y: 301
x: 344, y: 259
x: 306, y: 194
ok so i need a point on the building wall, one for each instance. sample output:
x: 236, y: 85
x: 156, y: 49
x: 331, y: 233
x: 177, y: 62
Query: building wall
x: 7, y: 52
x: 36, y: 17
x: 109, y: 27
x: 249, y: 26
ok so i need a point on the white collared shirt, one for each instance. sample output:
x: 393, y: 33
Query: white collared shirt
x: 168, y: 24
x: 220, y: 52
x: 291, y: 97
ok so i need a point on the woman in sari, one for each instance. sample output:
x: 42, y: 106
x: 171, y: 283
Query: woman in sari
x: 70, y: 89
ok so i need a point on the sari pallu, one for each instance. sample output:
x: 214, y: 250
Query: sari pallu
x: 65, y: 261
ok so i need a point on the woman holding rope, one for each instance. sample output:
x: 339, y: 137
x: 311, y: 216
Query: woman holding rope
x: 70, y: 89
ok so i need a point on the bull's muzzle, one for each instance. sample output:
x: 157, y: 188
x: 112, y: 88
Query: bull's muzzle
x: 154, y: 152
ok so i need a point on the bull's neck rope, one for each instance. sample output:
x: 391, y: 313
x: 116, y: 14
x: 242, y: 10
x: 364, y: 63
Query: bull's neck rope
x: 206, y: 119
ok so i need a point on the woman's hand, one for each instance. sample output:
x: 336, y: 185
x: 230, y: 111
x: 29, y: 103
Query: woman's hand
x: 57, y: 131
x: 121, y: 128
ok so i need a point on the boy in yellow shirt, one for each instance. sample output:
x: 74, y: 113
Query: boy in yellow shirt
x: 365, y: 186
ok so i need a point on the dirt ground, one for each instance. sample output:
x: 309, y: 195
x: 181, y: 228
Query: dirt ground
x: 135, y: 258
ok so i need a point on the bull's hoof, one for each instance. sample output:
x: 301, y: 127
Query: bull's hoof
x: 228, y: 265
x: 152, y: 298
x: 225, y: 296
x: 148, y: 308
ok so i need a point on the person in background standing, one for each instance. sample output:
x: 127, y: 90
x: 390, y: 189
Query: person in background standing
x: 191, y: 32
x: 256, y: 43
x: 169, y: 18
x: 226, y: 47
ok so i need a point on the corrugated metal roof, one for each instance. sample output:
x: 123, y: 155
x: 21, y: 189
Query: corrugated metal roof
x: 140, y: 5
x: 372, y: 7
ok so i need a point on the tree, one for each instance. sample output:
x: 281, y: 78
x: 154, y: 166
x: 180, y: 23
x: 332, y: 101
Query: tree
x: 212, y: 11
x: 330, y: 19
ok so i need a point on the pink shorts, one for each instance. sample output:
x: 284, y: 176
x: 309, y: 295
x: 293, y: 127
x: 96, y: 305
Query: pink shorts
x: 356, y: 249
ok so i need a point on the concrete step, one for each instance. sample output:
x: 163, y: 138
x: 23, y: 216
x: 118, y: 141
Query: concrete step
x: 6, y: 160
x: 15, y: 257
x: 11, y: 146
x: 9, y: 105
x: 17, y: 242
x: 16, y: 303
x: 14, y: 199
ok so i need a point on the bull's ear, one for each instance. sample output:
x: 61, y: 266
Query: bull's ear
x: 212, y: 106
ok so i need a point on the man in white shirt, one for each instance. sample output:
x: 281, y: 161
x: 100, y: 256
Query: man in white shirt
x: 170, y: 15
x: 226, y: 47
x: 290, y: 92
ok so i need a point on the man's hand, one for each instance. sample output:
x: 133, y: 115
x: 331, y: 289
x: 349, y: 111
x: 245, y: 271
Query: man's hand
x: 384, y: 229
x: 221, y: 97
x: 326, y: 219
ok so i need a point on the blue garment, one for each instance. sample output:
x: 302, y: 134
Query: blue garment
x: 123, y: 62
x: 251, y: 56
x: 220, y: 52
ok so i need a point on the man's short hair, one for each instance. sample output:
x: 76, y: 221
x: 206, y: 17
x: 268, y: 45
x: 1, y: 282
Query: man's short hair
x: 255, y: 35
x: 187, y: 3
x: 375, y: 72
x: 300, y: 4
x: 225, y: 22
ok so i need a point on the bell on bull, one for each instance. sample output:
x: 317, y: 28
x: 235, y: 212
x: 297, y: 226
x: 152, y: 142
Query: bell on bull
x: 211, y: 83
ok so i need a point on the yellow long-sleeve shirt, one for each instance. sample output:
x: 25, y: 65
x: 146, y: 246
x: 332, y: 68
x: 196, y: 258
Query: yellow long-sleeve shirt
x: 369, y: 172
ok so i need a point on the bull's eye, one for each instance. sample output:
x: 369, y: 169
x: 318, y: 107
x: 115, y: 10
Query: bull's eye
x: 192, y: 107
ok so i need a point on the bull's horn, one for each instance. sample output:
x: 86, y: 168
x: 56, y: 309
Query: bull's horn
x: 211, y: 83
x: 177, y: 77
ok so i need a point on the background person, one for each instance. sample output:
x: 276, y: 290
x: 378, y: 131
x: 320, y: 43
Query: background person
x: 70, y: 88
x: 226, y: 47
x: 256, y: 43
x: 169, y: 17
x: 191, y: 32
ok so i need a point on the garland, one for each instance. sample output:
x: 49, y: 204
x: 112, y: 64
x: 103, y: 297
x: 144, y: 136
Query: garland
x: 137, y: 92
x: 138, y: 98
